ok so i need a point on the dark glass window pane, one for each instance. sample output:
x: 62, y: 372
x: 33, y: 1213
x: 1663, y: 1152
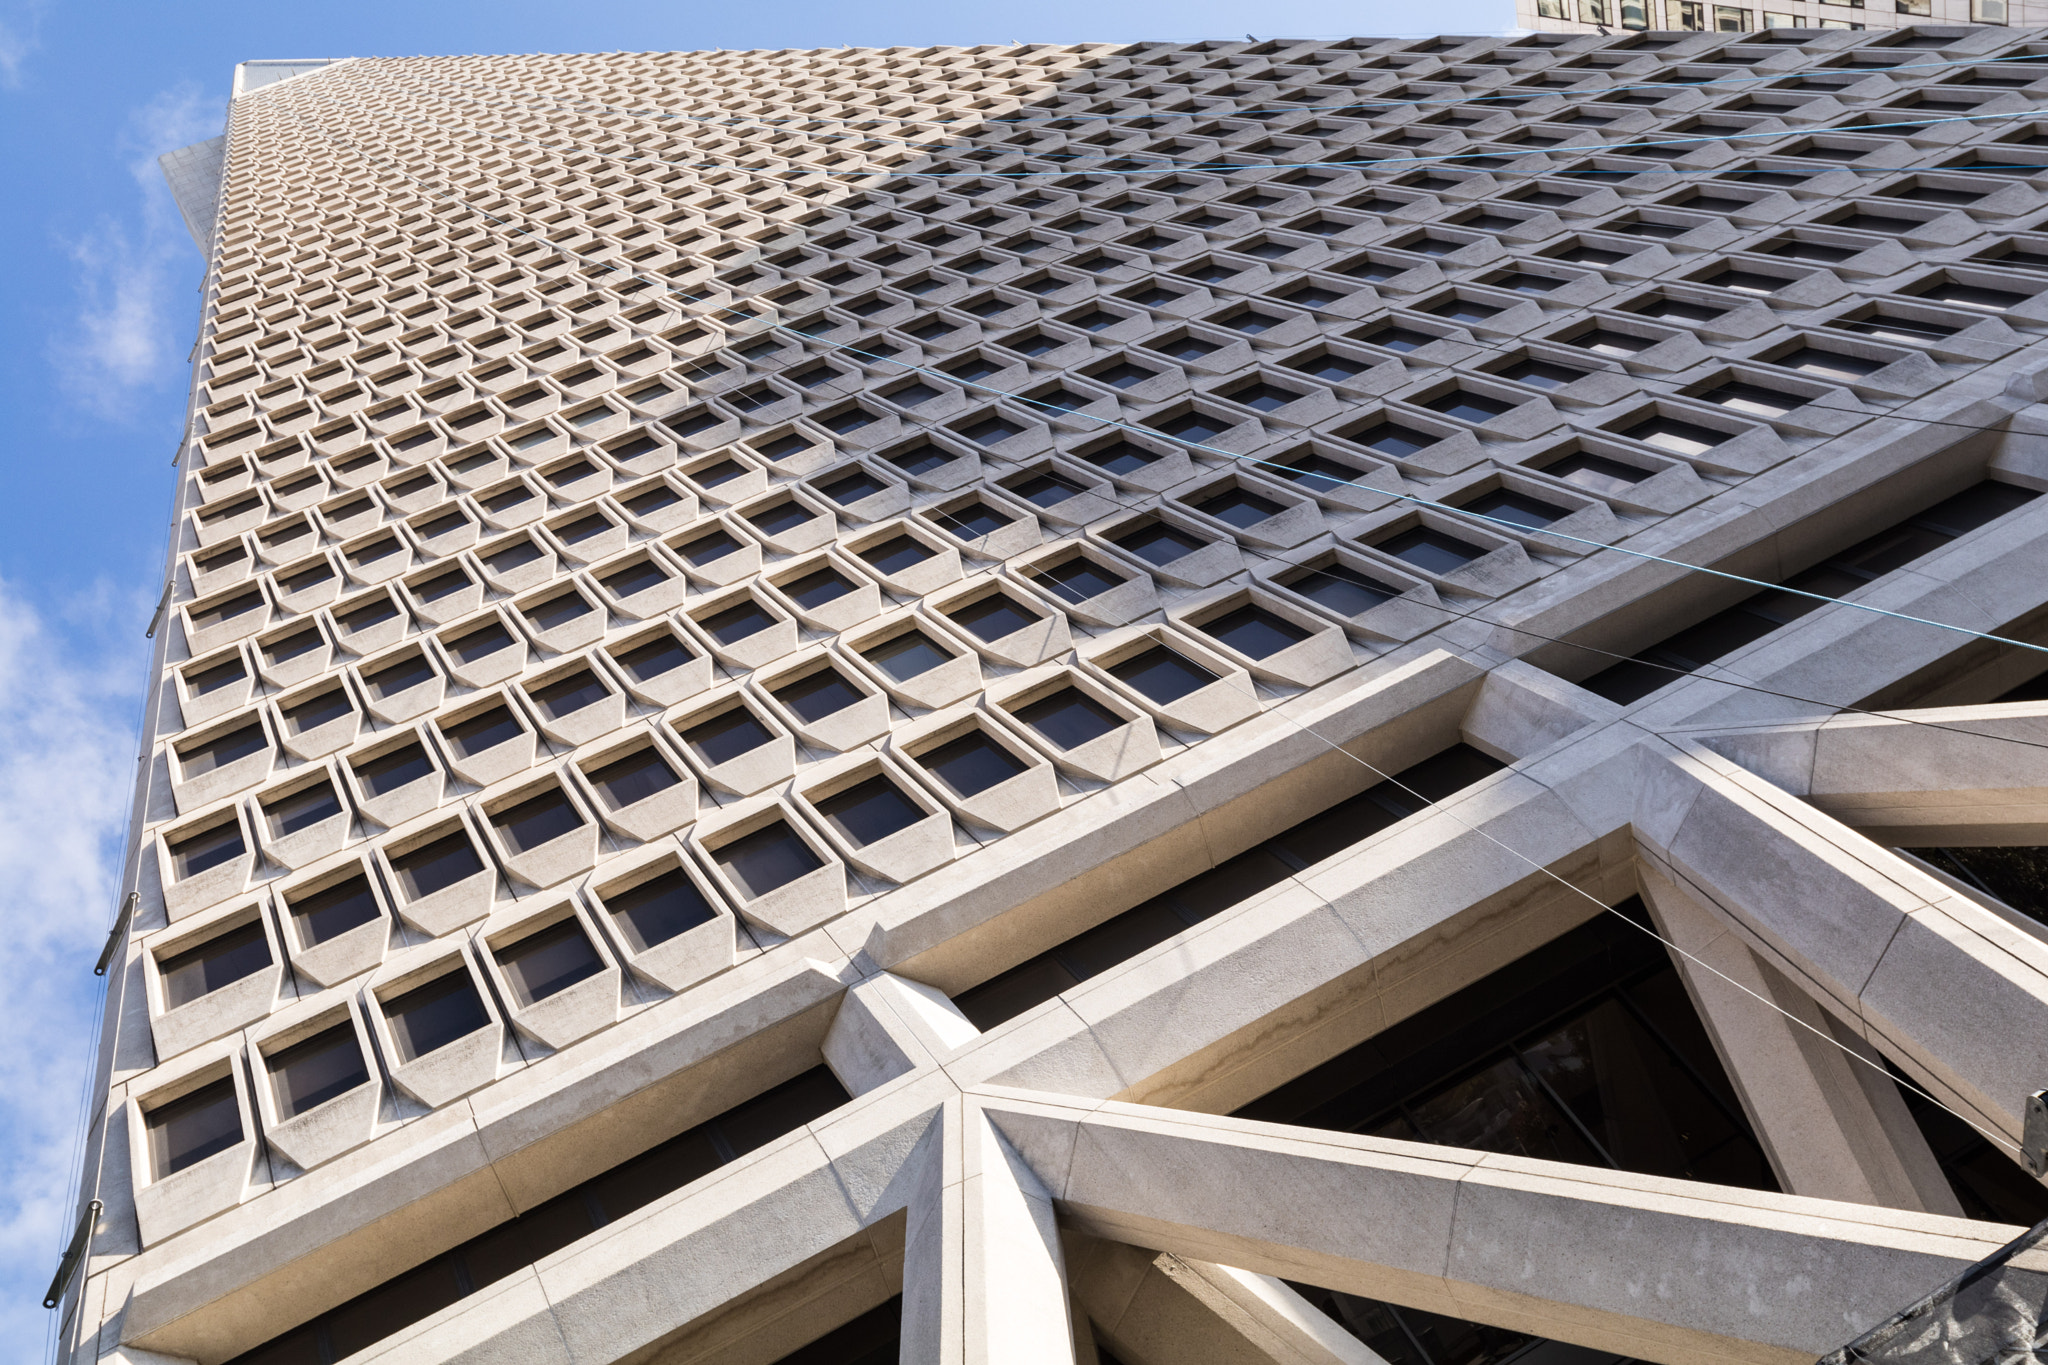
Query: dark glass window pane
x: 428, y: 1018
x: 993, y: 617
x: 971, y: 764
x: 788, y: 1107
x: 480, y: 643
x: 1162, y: 676
x: 1342, y: 589
x: 895, y: 555
x: 537, y: 820
x: 310, y: 1073
x: 302, y: 809
x: 974, y: 521
x: 1429, y: 550
x: 1974, y: 507
x: 1517, y: 509
x: 437, y: 865
x: 919, y: 459
x: 483, y: 731
x: 663, y: 654
x: 726, y: 736
x: 1070, y: 718
x: 393, y: 1306
x: 1160, y: 544
x: 209, y: 848
x: 770, y: 857
x: 568, y: 695
x: 1121, y: 458
x: 222, y: 959
x: 212, y: 679
x: 1015, y: 991
x: 390, y: 771
x: 549, y: 962
x: 905, y: 656
x: 873, y: 1338
x: 870, y: 811
x: 706, y: 549
x: 1253, y: 631
x: 334, y: 911
x: 736, y: 623
x: 317, y: 711
x: 1597, y: 474
x: 292, y: 646
x: 855, y: 486
x: 782, y: 518
x: 1467, y: 407
x: 633, y: 778
x: 408, y: 672
x: 1392, y: 439
x: 1502, y: 1110
x: 1078, y: 579
x: 638, y: 576
x: 1046, y: 490
x: 817, y: 589
x: 194, y: 1127
x: 818, y: 695
x: 514, y: 1245
x: 659, y: 908
x: 1239, y: 508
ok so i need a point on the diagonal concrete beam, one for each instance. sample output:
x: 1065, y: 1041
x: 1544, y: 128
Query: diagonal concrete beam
x: 1668, y: 1270
x: 1959, y: 775
x: 1935, y: 981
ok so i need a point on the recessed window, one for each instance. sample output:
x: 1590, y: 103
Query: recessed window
x: 1829, y: 364
x: 315, y: 1070
x: 194, y: 1127
x: 638, y: 576
x: 481, y: 643
x: 1597, y: 473
x: 1681, y: 438
x: 220, y: 961
x: 1195, y: 427
x: 212, y: 754
x: 906, y: 656
x: 1159, y: 544
x: 709, y: 548
x: 1239, y: 508
x: 725, y: 471
x: 437, y: 865
x: 781, y: 518
x: 1600, y: 341
x: 1972, y: 296
x: 815, y: 590
x: 566, y: 696
x: 726, y: 736
x: 1392, y: 439
x: 766, y: 860
x: 1678, y: 309
x: 1517, y: 509
x: 971, y: 764
x: 400, y: 676
x: 1430, y: 550
x: 974, y: 521
x: 1185, y: 347
x: 653, y: 500
x: 1333, y: 369
x: 208, y: 680
x: 333, y: 911
x: 301, y: 809
x: 223, y: 612
x: 1540, y: 374
x: 736, y: 623
x: 1403, y: 339
x: 659, y: 909
x: 514, y: 556
x: 1124, y: 375
x: 537, y: 820
x: 817, y: 695
x: 582, y: 529
x: 1121, y: 457
x: 1751, y: 398
x: 1070, y: 718
x: 428, y: 1018
x: 897, y: 554
x: 854, y: 487
x: 1341, y: 588
x: 991, y: 431
x: 387, y: 772
x: 193, y: 854
x: 1162, y: 676
x: 660, y: 656
x: 549, y: 962
x: 314, y: 712
x: 1078, y: 579
x: 633, y: 778
x: 557, y: 611
x: 1047, y: 490
x: 1253, y: 631
x: 1316, y: 473
x: 870, y: 811
x: 484, y: 731
x: 1467, y: 407
x: 993, y: 617
x: 1262, y: 397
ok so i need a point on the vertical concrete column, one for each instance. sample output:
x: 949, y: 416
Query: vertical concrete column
x: 888, y: 1026
x: 984, y: 1280
x: 1833, y: 1127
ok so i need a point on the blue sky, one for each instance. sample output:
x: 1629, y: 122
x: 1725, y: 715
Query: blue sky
x: 97, y: 314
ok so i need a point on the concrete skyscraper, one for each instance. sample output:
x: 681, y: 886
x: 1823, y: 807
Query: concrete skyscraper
x: 1273, y: 701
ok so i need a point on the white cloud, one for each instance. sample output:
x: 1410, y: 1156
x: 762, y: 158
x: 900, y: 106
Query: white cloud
x: 122, y: 341
x: 65, y: 774
x: 20, y: 26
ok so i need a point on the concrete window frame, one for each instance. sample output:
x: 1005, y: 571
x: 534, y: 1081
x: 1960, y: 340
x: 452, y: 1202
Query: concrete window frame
x: 750, y: 771
x: 324, y: 734
x: 863, y: 601
x: 406, y: 703
x: 177, y: 1029
x: 850, y: 727
x: 1028, y: 795
x: 754, y: 649
x: 1046, y: 636
x: 903, y: 855
x: 309, y: 843
x: 1321, y: 654
x: 395, y: 805
x: 576, y: 1011
x: 648, y: 818
x: 647, y: 511
x: 955, y: 679
x: 803, y: 902
x: 197, y: 781
x: 351, y: 952
x: 590, y: 543
x: 506, y: 758
x: 202, y: 696
x: 1134, y: 597
x: 336, y: 1126
x: 168, y: 1202
x: 491, y: 667
x: 587, y: 722
x: 464, y: 1064
x: 554, y: 860
x: 738, y: 560
x: 447, y: 907
x: 1131, y: 747
x: 670, y: 686
x: 186, y: 893
x: 1414, y: 608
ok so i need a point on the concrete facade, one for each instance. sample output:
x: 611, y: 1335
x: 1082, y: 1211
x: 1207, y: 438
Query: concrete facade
x: 666, y: 555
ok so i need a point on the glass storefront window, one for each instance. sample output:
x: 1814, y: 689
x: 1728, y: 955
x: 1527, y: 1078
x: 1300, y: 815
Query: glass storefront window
x: 1728, y: 19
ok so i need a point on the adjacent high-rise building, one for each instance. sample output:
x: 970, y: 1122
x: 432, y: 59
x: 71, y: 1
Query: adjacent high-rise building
x: 1272, y: 701
x: 1705, y: 16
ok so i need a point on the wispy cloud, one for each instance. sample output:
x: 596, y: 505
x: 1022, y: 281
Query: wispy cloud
x: 20, y: 30
x: 121, y: 341
x: 64, y: 780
